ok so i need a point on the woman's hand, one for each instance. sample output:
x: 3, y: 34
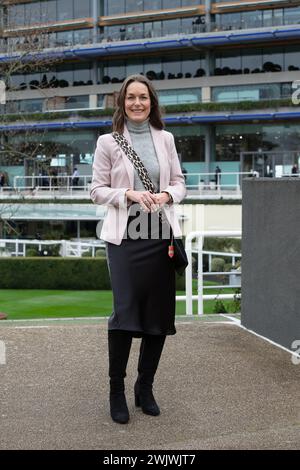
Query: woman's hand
x: 147, y: 200
x: 162, y: 198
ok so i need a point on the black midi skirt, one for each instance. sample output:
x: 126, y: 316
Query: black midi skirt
x: 143, y: 284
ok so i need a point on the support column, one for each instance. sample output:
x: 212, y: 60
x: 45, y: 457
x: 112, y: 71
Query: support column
x: 209, y: 147
x: 207, y: 15
x: 95, y: 13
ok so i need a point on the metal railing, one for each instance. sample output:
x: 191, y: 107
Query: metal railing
x: 137, y: 31
x: 51, y: 183
x: 221, y: 182
x: 18, y: 247
x: 194, y: 181
x: 189, y: 297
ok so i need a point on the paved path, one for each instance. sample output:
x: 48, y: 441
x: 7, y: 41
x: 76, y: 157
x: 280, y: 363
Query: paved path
x: 218, y: 386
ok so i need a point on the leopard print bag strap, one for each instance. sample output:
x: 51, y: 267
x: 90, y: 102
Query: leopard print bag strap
x: 135, y: 160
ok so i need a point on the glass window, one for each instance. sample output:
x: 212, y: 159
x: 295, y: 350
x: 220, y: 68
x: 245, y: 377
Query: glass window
x: 64, y: 38
x: 32, y: 13
x: 31, y: 106
x: 189, y: 144
x: 65, y: 72
x: 114, y: 71
x: 111, y: 8
x: 134, y: 66
x: 82, y: 36
x: 33, y: 80
x: 272, y: 59
x: 171, y: 3
x: 278, y: 17
x: 48, y: 11
x: 252, y: 60
x: 251, y: 19
x: 153, y: 29
x: 292, y: 15
x: 179, y: 96
x: 100, y: 101
x: 171, y: 68
x: 230, y: 21
x: 171, y: 26
x: 77, y: 102
x: 153, y: 69
x: 192, y: 67
x: 246, y: 92
x: 152, y: 4
x: 16, y: 81
x: 187, y: 3
x: 133, y: 5
x: 16, y: 15
x: 228, y: 63
x: 82, y: 9
x: 292, y: 58
x: 82, y: 73
x: 65, y: 10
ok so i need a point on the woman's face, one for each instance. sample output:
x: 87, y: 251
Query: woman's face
x: 137, y: 102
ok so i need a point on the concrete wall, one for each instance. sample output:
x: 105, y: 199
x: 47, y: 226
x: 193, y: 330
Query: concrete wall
x: 210, y: 217
x: 271, y: 258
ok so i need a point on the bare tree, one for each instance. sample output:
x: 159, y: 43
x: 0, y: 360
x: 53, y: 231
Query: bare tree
x: 22, y: 50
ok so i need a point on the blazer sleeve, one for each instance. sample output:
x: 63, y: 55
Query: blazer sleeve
x: 101, y: 191
x: 176, y: 187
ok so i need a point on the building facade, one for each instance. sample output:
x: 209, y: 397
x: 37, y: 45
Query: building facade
x: 225, y: 71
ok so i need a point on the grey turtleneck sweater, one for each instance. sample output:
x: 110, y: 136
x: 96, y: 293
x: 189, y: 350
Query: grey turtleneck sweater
x: 142, y: 143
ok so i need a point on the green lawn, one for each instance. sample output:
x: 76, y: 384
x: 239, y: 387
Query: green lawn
x: 30, y: 304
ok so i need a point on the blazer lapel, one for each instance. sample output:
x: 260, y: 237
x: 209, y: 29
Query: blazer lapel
x: 128, y: 165
x: 160, y: 152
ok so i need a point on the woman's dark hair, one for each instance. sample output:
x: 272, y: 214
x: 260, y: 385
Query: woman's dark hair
x: 119, y: 115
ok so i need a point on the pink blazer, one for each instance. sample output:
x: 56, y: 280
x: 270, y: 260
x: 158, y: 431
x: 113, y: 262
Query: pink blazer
x: 113, y: 174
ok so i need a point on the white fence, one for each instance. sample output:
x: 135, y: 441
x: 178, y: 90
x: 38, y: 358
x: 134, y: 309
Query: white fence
x: 189, y: 297
x: 199, y: 183
x: 18, y: 247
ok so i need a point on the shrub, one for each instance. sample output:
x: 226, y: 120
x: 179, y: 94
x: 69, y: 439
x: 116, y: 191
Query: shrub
x: 54, y: 273
x: 219, y: 307
x: 100, y: 253
x: 217, y: 265
x: 31, y: 252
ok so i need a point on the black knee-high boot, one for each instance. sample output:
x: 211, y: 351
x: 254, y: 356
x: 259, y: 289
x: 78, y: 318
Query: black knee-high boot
x: 150, y: 353
x: 119, y: 344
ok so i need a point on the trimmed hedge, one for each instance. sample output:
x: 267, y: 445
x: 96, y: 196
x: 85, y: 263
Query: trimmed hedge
x: 54, y: 273
x: 58, y: 273
x: 168, y: 109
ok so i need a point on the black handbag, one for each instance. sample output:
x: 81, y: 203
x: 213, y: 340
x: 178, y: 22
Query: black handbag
x: 178, y: 254
x: 176, y: 249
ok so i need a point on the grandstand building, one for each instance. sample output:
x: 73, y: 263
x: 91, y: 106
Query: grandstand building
x: 227, y: 73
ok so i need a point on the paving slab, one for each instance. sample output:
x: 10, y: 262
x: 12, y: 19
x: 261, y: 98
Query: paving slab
x: 218, y: 387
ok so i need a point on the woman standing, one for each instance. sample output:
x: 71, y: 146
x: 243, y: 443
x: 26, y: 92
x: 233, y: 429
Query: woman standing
x: 137, y: 239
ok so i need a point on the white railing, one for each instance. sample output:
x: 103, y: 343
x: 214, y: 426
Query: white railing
x: 225, y: 181
x: 189, y: 297
x: 222, y: 254
x: 200, y: 183
x: 51, y: 183
x: 17, y: 247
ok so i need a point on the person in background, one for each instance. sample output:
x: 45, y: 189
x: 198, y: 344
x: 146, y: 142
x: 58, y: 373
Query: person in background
x: 295, y: 170
x: 75, y: 177
x: 218, y: 177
